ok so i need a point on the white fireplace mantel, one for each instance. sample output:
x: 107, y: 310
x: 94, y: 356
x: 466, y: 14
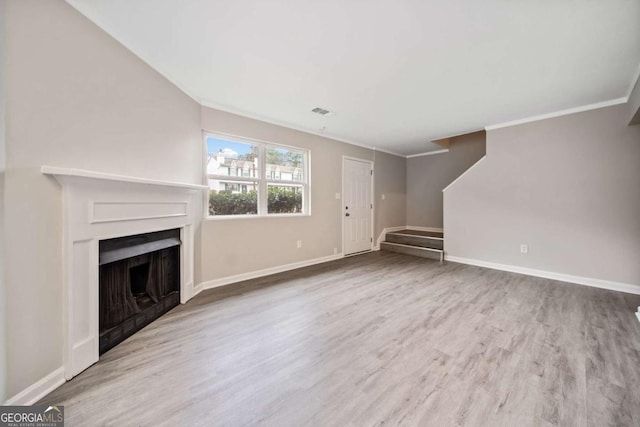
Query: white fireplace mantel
x: 82, y: 173
x: 99, y: 206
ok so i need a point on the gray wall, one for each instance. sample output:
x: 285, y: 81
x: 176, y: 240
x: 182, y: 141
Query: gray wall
x: 245, y: 244
x: 3, y: 307
x: 427, y: 176
x: 569, y: 187
x: 390, y: 180
x: 74, y: 98
x: 634, y: 105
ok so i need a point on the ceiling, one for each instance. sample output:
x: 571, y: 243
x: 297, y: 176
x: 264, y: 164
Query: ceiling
x: 397, y: 73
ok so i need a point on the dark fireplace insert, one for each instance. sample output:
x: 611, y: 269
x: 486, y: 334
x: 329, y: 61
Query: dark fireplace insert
x: 139, y: 282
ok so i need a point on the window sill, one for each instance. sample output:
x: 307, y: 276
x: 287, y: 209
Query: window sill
x: 245, y: 217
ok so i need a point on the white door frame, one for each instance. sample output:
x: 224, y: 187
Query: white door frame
x: 342, y: 216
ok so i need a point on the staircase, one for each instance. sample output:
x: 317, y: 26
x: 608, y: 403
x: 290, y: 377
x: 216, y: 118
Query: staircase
x: 425, y: 244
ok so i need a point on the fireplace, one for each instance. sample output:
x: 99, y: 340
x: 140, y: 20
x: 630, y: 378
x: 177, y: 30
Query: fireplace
x: 99, y: 209
x: 139, y: 282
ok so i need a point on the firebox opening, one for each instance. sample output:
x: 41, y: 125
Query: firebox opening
x: 139, y: 276
x: 139, y: 282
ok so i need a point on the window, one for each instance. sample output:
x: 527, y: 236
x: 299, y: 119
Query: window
x: 256, y: 178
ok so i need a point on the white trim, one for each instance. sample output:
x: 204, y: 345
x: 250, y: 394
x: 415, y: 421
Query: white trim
x: 231, y: 137
x: 634, y: 83
x: 587, y: 281
x: 428, y: 153
x: 254, y: 216
x: 464, y: 173
x: 566, y: 112
x: 372, y: 217
x: 210, y: 284
x: 384, y: 232
x: 94, y: 218
x: 372, y: 198
x: 284, y: 124
x: 39, y: 389
x: 262, y: 181
x: 421, y: 248
x: 198, y: 288
x: 638, y: 314
x: 419, y: 228
x: 82, y: 173
x: 366, y: 251
x: 417, y: 236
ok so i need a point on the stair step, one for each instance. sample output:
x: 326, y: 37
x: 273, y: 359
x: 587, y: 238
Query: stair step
x: 415, y: 240
x: 413, y: 250
x: 432, y: 234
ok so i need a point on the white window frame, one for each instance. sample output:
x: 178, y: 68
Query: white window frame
x: 262, y: 180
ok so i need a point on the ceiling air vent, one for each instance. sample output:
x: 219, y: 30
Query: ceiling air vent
x: 323, y: 112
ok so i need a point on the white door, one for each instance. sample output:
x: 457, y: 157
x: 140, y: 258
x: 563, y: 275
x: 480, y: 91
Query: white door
x: 357, y: 208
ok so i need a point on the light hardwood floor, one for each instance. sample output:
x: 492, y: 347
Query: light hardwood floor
x: 376, y: 339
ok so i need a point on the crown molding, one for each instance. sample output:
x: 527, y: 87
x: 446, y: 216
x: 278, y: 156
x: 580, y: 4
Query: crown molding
x: 231, y: 110
x: 560, y: 113
x: 428, y: 153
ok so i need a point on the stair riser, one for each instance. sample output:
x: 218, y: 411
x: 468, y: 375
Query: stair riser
x: 424, y: 242
x: 411, y: 251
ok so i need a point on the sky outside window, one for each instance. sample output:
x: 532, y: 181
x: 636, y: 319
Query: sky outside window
x: 230, y: 148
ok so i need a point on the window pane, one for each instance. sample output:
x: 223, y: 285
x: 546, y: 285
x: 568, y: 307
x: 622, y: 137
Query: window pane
x: 231, y: 158
x: 285, y: 165
x: 233, y: 198
x: 284, y: 199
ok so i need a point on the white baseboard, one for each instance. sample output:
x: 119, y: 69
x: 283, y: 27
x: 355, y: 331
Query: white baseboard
x: 39, y: 389
x: 587, y: 281
x: 418, y: 228
x: 197, y: 289
x: 265, y: 272
x: 638, y: 314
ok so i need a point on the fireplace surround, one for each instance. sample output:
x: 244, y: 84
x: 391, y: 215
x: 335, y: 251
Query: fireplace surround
x: 100, y: 206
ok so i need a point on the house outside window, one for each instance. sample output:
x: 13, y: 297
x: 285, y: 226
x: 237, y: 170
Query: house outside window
x: 248, y: 177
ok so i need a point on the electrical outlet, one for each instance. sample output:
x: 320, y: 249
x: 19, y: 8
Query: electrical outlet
x: 337, y: 196
x: 335, y: 251
x: 383, y: 197
x: 524, y: 249
x: 299, y: 244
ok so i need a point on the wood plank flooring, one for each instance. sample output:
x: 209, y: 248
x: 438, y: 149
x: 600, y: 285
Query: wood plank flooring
x: 376, y: 339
